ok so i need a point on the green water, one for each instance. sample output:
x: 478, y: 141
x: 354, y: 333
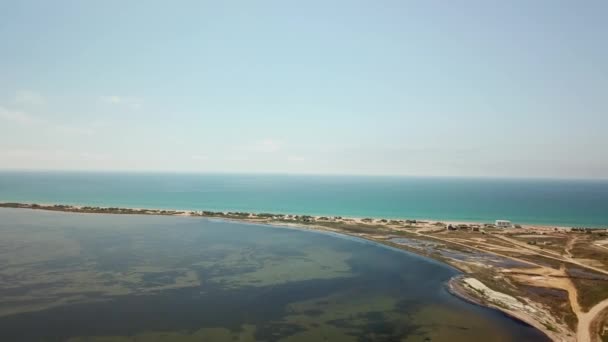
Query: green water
x: 560, y: 202
x: 87, y: 277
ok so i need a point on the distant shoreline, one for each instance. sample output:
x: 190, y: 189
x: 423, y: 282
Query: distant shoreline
x: 166, y: 211
x: 529, y: 201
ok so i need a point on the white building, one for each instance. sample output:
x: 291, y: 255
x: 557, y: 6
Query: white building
x: 503, y: 224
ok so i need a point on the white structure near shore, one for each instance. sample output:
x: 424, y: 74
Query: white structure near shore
x: 503, y: 224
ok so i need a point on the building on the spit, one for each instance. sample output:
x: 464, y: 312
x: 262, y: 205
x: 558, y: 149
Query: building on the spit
x: 503, y: 224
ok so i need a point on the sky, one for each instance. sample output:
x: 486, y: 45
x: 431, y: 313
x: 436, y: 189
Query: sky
x: 427, y: 88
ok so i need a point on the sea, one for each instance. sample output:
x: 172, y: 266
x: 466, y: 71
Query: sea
x: 577, y: 203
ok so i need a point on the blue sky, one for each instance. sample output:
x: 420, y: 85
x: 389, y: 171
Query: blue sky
x: 441, y: 88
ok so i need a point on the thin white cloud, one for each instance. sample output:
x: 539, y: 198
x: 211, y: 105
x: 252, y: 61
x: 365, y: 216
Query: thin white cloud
x: 127, y: 101
x: 25, y: 119
x: 45, y: 154
x: 69, y: 129
x: 236, y: 158
x: 199, y: 157
x: 295, y: 159
x: 90, y: 156
x: 28, y: 97
x: 265, y: 146
x: 18, y: 117
x: 33, y: 154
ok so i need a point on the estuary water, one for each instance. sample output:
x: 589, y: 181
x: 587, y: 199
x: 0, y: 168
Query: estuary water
x: 556, y: 202
x: 92, y: 277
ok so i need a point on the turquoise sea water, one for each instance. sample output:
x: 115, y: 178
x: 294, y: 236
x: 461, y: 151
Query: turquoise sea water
x: 559, y: 202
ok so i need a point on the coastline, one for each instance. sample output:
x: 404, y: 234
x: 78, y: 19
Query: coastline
x: 82, y: 208
x: 380, y: 231
x: 452, y: 220
x: 576, y: 202
x: 454, y: 287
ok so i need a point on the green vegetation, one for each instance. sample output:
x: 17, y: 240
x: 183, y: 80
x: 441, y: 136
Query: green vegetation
x: 265, y: 215
x: 536, y: 259
x: 600, y: 325
x: 212, y: 213
x: 592, y: 287
x: 238, y: 214
x: 495, y: 281
x: 555, y: 299
x: 16, y: 205
x: 585, y: 249
x: 550, y: 327
x: 90, y: 209
x: 352, y: 227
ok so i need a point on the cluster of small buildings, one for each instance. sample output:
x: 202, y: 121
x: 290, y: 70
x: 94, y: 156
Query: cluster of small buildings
x: 475, y: 227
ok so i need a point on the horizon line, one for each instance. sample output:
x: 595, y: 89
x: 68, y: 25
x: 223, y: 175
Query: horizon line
x: 282, y: 173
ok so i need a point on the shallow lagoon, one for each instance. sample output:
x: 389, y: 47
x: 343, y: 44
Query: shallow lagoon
x: 85, y: 277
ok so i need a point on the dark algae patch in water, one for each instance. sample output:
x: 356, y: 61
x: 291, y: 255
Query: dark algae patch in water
x: 71, y: 277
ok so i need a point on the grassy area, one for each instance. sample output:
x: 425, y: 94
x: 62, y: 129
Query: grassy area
x: 555, y: 299
x: 600, y: 325
x: 492, y: 239
x: 555, y: 244
x: 349, y: 227
x: 536, y: 259
x: 586, y: 250
x: 92, y: 210
x: 592, y: 287
x: 495, y: 281
x: 463, y: 234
